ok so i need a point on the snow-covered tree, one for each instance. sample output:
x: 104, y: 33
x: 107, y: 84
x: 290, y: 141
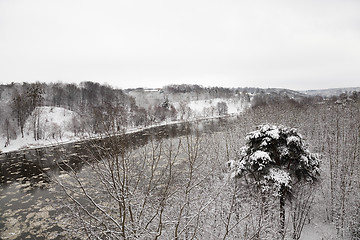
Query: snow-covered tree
x: 276, y: 158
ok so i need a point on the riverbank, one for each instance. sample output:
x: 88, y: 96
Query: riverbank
x: 29, y: 143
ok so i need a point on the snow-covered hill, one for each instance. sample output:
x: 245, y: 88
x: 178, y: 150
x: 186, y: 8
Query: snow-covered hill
x: 331, y: 91
x: 46, y: 125
x: 52, y: 122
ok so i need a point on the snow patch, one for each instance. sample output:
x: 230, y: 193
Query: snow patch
x: 54, y: 122
x: 316, y: 231
x: 253, y: 135
x: 265, y: 130
x: 274, y: 133
x: 280, y: 177
x: 55, y: 125
x: 293, y: 140
x: 260, y: 157
x: 208, y: 108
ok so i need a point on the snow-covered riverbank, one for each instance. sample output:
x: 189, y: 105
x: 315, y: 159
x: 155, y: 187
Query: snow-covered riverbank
x: 55, y: 117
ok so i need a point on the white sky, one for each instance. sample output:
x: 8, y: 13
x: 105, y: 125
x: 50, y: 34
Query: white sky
x: 306, y: 44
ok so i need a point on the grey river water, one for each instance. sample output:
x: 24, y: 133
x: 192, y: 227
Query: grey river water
x: 27, y: 209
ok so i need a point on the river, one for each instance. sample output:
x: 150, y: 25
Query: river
x: 27, y: 199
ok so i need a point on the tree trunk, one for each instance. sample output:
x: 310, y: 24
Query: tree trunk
x: 7, y: 126
x: 282, y: 213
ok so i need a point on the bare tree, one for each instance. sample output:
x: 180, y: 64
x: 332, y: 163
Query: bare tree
x: 222, y: 108
x: 20, y: 109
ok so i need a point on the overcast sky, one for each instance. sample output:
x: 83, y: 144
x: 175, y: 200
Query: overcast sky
x: 308, y: 44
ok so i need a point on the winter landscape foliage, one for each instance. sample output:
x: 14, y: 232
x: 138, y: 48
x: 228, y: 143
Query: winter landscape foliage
x: 38, y: 114
x: 285, y: 167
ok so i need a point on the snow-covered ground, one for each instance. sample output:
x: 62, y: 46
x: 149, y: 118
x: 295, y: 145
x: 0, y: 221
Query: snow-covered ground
x: 319, y: 231
x: 53, y: 122
x: 234, y: 106
x: 56, y: 126
x: 209, y: 108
